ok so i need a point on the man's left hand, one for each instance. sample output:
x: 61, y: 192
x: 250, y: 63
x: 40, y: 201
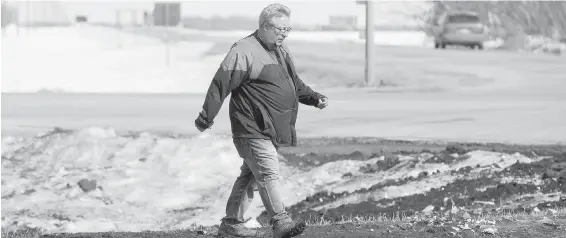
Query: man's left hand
x: 322, y: 103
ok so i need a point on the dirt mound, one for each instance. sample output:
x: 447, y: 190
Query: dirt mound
x: 473, y: 195
x: 480, y: 188
x: 311, y: 160
x: 381, y: 165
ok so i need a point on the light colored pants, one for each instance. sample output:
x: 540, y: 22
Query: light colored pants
x: 261, y: 164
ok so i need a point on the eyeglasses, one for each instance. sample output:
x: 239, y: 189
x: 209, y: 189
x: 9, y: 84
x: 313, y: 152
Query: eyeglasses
x: 280, y: 29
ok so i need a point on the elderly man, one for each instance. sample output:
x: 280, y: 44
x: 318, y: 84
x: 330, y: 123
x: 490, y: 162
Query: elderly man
x: 266, y: 91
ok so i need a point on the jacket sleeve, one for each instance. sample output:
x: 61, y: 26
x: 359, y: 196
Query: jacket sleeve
x: 305, y: 94
x: 233, y: 71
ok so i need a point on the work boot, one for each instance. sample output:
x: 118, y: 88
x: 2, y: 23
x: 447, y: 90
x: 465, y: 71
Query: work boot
x: 288, y: 228
x: 237, y: 230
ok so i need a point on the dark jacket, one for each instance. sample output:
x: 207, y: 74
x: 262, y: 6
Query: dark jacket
x: 265, y: 93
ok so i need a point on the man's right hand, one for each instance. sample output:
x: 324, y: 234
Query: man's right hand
x: 201, y: 124
x: 201, y: 129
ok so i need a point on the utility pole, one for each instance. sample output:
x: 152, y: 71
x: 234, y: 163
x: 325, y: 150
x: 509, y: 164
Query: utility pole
x: 369, y: 36
x: 370, y: 54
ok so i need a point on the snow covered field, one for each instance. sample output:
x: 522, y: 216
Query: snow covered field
x: 148, y: 176
x: 101, y: 60
x: 98, y: 59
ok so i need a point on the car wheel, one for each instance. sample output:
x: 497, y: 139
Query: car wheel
x: 480, y: 46
x: 436, y: 45
x: 443, y: 45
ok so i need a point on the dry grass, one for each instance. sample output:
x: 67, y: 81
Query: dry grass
x: 24, y: 232
x: 382, y: 219
x: 516, y: 224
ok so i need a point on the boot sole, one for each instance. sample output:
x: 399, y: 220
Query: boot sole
x: 297, y: 230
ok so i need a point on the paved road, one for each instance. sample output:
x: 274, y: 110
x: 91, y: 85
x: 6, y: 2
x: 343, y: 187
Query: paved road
x: 442, y: 116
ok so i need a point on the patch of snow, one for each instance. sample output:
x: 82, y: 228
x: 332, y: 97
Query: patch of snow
x: 404, y: 170
x: 176, y: 174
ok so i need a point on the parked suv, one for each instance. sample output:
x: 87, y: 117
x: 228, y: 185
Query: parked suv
x: 459, y: 28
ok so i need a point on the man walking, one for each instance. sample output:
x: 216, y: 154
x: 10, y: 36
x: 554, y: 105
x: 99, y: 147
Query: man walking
x: 260, y: 74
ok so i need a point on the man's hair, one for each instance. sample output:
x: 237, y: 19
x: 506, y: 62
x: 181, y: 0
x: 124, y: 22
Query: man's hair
x: 273, y: 10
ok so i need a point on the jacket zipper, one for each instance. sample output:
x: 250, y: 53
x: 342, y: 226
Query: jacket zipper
x: 291, y: 83
x: 283, y: 64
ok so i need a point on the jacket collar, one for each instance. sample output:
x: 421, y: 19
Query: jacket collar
x: 265, y: 46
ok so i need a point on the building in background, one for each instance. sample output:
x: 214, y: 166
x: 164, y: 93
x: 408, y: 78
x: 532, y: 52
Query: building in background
x: 9, y: 14
x: 166, y: 14
x: 35, y: 13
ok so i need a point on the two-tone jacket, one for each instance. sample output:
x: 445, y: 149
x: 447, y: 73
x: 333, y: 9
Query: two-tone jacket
x: 266, y: 92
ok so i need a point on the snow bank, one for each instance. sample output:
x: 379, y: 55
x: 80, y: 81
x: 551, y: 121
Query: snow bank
x: 97, y: 59
x: 153, y: 182
x: 144, y: 182
x: 544, y: 45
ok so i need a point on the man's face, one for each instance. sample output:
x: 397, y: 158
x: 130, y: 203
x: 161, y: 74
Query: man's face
x: 277, y: 30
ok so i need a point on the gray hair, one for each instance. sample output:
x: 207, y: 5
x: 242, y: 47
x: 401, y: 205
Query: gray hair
x: 273, y: 10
